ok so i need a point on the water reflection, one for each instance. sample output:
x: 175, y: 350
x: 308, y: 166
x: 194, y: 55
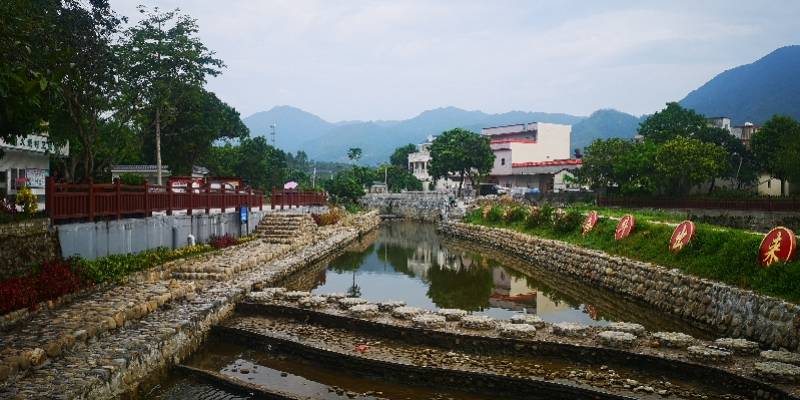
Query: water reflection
x: 409, y: 261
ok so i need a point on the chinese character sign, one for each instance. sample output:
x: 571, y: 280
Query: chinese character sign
x: 624, y: 227
x: 779, y: 244
x: 682, y: 235
x: 589, y: 223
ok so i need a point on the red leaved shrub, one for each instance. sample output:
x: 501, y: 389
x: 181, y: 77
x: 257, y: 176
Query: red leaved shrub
x: 328, y: 218
x: 54, y: 279
x: 219, y: 242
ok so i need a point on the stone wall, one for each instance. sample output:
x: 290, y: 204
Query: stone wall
x: 729, y: 310
x: 759, y: 221
x: 92, y: 240
x: 24, y: 245
x: 425, y: 206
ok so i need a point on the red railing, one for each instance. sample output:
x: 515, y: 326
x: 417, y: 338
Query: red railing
x: 297, y: 198
x: 778, y: 204
x: 67, y: 201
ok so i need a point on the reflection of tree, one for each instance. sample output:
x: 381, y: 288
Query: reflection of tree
x: 350, y: 260
x: 465, y: 288
x: 396, y: 256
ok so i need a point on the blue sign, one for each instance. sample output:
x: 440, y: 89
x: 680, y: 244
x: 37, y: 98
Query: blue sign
x: 244, y: 212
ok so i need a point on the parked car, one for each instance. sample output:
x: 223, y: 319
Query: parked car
x: 486, y: 189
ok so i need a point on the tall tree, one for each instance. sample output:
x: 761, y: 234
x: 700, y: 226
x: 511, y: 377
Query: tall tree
x: 682, y: 162
x: 161, y: 52
x: 463, y: 153
x: 670, y: 122
x: 400, y: 156
x: 89, y: 85
x: 354, y: 154
x: 776, y: 147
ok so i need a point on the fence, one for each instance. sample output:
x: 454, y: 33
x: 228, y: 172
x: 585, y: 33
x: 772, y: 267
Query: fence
x: 789, y: 204
x: 66, y: 201
x: 297, y: 198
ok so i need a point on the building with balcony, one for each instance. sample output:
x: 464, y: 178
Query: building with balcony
x: 531, y: 155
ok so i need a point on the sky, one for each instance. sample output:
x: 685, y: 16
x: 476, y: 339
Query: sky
x: 391, y: 60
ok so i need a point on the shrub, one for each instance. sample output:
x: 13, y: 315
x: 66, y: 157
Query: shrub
x: 332, y: 217
x: 53, y: 280
x: 539, y: 216
x: 27, y: 200
x: 131, y: 179
x: 515, y: 214
x: 495, y: 214
x: 221, y: 242
x: 565, y: 222
x: 17, y: 293
x: 116, y: 267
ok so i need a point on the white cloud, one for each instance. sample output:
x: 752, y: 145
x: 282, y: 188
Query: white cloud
x: 393, y: 59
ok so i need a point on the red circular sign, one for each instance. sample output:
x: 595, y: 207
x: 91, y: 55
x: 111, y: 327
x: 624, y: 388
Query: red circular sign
x: 589, y: 222
x: 683, y: 234
x: 779, y: 244
x: 624, y: 227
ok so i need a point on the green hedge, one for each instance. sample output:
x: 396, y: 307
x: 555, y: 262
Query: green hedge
x: 722, y: 254
x: 116, y: 267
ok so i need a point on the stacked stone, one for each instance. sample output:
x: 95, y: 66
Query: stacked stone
x: 348, y: 302
x: 429, y: 321
x: 406, y: 312
x: 776, y: 371
x: 616, y: 339
x: 364, y: 311
x: 673, y: 339
x: 313, y: 302
x: 570, y: 329
x: 738, y: 346
x: 516, y: 331
x: 478, y: 322
x: 528, y: 319
x: 709, y: 354
x: 451, y: 314
x: 628, y: 327
x: 390, y: 305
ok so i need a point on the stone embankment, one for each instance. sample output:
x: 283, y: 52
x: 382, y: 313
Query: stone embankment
x: 101, y: 345
x: 422, y: 206
x: 25, y: 244
x: 730, y: 311
x: 661, y: 360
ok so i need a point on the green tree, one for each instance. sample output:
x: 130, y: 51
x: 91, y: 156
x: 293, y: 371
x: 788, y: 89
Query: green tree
x: 601, y: 161
x: 400, y: 156
x: 670, y: 122
x: 681, y: 163
x: 161, y: 52
x: 187, y: 135
x: 462, y: 153
x: 260, y: 164
x: 776, y: 147
x: 344, y: 187
x: 398, y: 178
x: 354, y: 154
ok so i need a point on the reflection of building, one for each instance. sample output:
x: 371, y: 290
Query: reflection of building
x: 27, y: 163
x: 512, y: 293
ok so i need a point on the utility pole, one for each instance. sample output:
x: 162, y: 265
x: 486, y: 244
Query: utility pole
x: 314, y: 177
x: 272, y: 133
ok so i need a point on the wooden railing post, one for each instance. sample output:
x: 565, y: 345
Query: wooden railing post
x: 208, y: 198
x: 272, y: 199
x: 118, y: 198
x: 224, y: 200
x: 91, y: 200
x: 169, y: 197
x: 48, y: 197
x: 191, y: 204
x: 147, y: 212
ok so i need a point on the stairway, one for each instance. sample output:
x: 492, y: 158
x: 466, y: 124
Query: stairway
x: 285, y: 228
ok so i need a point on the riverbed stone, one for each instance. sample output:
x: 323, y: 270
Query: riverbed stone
x: 296, y: 295
x: 429, y: 321
x: 709, y: 354
x: 333, y: 297
x: 406, y: 312
x: 390, y: 305
x: 617, y: 339
x: 738, y: 346
x: 452, y: 314
x: 364, y: 310
x: 673, y: 339
x: 528, y: 319
x: 570, y: 329
x: 516, y: 331
x: 478, y: 322
x: 348, y: 302
x: 629, y: 327
x: 776, y: 371
x: 313, y: 302
x: 781, y: 356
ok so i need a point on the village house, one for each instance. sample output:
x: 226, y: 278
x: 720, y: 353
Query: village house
x: 418, y: 164
x: 532, y: 155
x: 27, y: 163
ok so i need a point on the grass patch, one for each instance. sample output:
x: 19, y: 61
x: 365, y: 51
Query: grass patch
x: 722, y: 254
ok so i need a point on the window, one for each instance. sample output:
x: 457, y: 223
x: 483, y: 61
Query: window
x: 502, y: 161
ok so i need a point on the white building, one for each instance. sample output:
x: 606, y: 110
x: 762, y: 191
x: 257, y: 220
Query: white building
x: 27, y: 163
x: 531, y: 155
x: 418, y: 164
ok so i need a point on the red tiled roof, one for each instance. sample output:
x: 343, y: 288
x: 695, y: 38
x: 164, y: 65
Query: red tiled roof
x: 552, y: 163
x: 502, y: 141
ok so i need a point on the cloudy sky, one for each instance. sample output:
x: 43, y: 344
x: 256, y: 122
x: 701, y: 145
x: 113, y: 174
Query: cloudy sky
x: 369, y: 60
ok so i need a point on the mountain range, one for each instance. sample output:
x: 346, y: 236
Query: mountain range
x: 752, y: 92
